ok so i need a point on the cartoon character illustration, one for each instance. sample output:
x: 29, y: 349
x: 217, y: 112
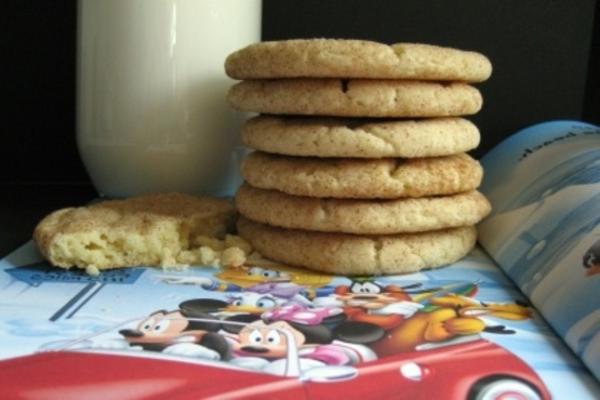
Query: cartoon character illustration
x: 330, y: 323
x: 235, y: 279
x: 269, y: 341
x: 472, y: 368
x: 370, y: 302
x: 251, y: 275
x: 372, y: 308
x: 250, y: 303
x: 180, y: 332
x: 325, y: 324
x: 387, y: 306
x: 591, y: 260
x: 329, y: 316
x: 264, y: 296
x: 451, y: 316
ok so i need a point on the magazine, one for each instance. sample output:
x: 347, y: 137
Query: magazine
x: 544, y: 230
x: 483, y: 328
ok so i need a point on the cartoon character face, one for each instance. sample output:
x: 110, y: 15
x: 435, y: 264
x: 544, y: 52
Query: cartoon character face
x: 246, y: 276
x: 254, y: 303
x: 370, y: 295
x: 191, y: 326
x: 265, y: 274
x: 366, y: 288
x: 268, y: 341
x: 591, y: 260
x: 159, y: 328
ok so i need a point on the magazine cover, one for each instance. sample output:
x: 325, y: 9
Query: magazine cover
x: 544, y: 231
x: 276, y: 332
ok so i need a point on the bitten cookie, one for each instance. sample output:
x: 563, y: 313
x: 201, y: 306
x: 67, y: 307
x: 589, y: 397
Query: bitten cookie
x: 146, y: 230
x: 363, y: 179
x: 355, y: 98
x: 348, y: 254
x: 330, y: 137
x: 361, y: 216
x: 331, y: 58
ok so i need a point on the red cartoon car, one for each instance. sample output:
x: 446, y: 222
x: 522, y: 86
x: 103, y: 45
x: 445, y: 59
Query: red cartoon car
x: 468, y: 368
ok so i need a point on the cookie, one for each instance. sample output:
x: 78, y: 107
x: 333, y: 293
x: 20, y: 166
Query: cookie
x: 386, y: 178
x: 349, y: 254
x: 145, y: 230
x: 330, y: 58
x: 355, y: 98
x: 361, y: 216
x: 330, y: 137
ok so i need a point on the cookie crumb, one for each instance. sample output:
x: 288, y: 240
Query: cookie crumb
x: 207, y: 255
x: 92, y: 270
x: 237, y: 241
x: 208, y: 241
x: 233, y: 257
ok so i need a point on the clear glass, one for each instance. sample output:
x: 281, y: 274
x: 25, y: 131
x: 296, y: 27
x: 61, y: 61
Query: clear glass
x: 151, y: 93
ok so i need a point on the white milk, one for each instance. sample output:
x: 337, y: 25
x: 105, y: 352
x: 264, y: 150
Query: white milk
x: 152, y: 114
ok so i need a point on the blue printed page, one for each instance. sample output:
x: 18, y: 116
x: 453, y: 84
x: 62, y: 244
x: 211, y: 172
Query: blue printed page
x: 544, y: 231
x: 464, y: 331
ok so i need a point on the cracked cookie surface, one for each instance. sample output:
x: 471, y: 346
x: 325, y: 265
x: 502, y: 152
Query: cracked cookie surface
x: 362, y: 138
x: 329, y: 58
x: 348, y: 254
x: 361, y: 216
x: 355, y: 97
x: 386, y: 178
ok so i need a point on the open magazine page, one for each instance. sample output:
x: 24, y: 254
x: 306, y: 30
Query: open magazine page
x: 273, y: 331
x: 544, y: 231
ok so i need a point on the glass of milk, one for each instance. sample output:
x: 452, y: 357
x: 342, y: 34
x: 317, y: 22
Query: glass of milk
x: 151, y: 114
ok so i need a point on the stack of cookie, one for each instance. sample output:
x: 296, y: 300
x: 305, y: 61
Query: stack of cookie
x: 360, y: 165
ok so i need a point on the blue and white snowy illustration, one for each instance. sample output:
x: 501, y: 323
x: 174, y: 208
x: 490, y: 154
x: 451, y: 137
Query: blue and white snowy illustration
x: 544, y: 230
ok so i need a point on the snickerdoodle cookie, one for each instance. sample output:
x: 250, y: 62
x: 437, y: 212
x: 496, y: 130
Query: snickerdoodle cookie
x: 349, y: 254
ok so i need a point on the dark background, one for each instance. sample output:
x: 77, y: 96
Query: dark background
x: 546, y: 57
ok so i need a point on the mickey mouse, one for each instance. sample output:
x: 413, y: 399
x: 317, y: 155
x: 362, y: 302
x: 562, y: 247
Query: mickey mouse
x: 181, y: 332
